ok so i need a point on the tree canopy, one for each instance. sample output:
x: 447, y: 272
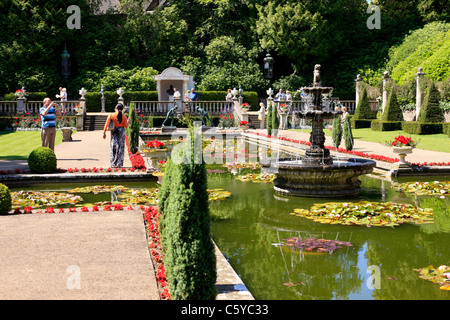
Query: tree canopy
x: 221, y: 42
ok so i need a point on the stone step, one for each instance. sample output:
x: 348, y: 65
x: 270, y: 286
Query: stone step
x: 94, y: 122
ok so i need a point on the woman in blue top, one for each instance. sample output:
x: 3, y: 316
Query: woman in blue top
x: 48, y: 123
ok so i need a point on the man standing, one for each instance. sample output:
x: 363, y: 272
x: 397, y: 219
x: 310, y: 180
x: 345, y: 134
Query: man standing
x: 48, y: 123
x: 193, y: 96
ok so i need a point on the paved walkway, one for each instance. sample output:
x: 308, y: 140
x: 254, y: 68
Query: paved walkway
x: 71, y: 256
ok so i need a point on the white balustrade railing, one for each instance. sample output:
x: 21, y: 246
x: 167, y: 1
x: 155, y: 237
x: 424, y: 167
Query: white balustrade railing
x: 32, y: 107
x: 162, y: 107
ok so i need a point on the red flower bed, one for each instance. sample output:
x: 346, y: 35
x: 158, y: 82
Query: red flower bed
x: 151, y: 217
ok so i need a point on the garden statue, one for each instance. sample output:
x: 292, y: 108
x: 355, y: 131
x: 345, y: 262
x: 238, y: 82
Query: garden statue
x: 204, y: 115
x: 316, y: 79
x: 170, y: 115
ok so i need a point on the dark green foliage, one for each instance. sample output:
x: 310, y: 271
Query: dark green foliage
x: 163, y: 198
x: 363, y: 110
x: 189, y: 259
x: 379, y: 125
x: 392, y: 111
x: 5, y: 199
x: 269, y: 119
x: 430, y: 110
x: 42, y: 160
x: 415, y: 127
x: 337, y: 132
x: 348, y: 135
x: 133, y: 130
x: 275, y: 120
x: 360, y: 123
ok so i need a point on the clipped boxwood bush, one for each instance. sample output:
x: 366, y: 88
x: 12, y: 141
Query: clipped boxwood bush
x: 42, y: 160
x: 379, y: 125
x: 360, y: 123
x: 5, y: 199
x: 414, y: 127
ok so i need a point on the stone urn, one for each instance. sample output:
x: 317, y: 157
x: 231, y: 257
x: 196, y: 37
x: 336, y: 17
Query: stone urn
x: 153, y: 156
x: 402, y: 152
x: 67, y: 134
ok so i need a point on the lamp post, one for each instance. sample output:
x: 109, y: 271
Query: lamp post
x: 65, y: 63
x: 268, y: 67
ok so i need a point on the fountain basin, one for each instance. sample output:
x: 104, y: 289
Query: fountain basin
x: 339, y: 179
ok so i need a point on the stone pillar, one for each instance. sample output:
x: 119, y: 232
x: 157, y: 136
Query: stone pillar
x: 80, y: 115
x: 262, y: 116
x: 419, y: 93
x: 385, y: 93
x: 103, y: 100
x: 358, y: 81
x: 20, y: 105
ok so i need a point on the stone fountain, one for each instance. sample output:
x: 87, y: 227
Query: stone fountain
x: 317, y: 174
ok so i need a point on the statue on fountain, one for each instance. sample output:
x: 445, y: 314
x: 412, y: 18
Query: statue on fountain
x: 316, y: 79
x: 170, y: 114
x: 204, y: 115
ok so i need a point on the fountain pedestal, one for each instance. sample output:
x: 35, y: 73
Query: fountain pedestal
x: 317, y: 174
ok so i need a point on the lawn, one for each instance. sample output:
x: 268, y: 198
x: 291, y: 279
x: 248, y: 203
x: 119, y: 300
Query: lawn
x: 17, y: 145
x: 433, y: 142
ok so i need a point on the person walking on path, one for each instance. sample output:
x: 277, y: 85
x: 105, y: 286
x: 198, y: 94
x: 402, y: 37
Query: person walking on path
x: 117, y: 136
x: 48, y: 123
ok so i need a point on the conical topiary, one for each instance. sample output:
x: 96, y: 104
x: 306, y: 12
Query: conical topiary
x: 430, y: 111
x: 189, y: 256
x: 363, y: 110
x: 392, y: 111
x: 133, y: 130
x: 269, y: 119
x: 337, y: 132
x: 348, y: 135
x: 275, y: 120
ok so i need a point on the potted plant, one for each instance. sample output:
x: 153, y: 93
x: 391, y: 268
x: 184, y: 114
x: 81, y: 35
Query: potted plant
x: 154, y: 150
x: 402, y: 146
x: 244, y: 125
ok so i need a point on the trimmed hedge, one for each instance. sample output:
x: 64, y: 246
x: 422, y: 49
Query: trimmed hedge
x: 360, y: 123
x: 446, y: 128
x: 157, y: 121
x: 414, y: 127
x: 379, y: 125
x: 31, y: 96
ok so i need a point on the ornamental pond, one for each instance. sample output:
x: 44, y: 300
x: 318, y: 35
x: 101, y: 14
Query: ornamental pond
x: 251, y: 228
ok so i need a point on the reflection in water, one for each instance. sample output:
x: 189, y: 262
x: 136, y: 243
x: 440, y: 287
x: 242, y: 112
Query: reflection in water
x: 247, y: 226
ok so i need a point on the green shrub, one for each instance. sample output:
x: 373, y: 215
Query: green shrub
x: 360, y: 123
x: 189, y: 256
x: 269, y: 119
x: 392, y: 111
x: 133, y: 130
x: 337, y: 132
x: 42, y: 160
x: 415, y: 127
x: 430, y: 110
x: 348, y: 135
x: 446, y: 128
x: 379, y: 125
x: 363, y: 110
x: 5, y: 199
x: 275, y: 119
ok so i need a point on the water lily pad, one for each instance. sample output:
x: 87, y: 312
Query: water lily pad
x: 35, y: 199
x: 98, y: 189
x: 366, y: 213
x: 440, y: 275
x: 440, y: 188
x: 257, y: 178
